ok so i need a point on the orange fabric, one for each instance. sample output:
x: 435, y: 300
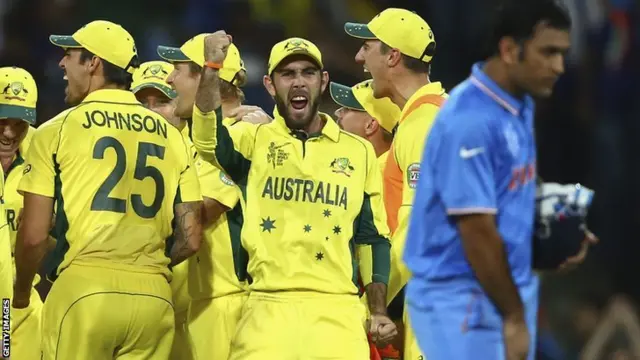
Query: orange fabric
x: 393, y: 177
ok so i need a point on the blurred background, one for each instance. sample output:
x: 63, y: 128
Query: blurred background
x: 588, y: 132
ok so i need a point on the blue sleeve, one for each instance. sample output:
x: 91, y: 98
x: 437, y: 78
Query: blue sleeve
x: 464, y: 173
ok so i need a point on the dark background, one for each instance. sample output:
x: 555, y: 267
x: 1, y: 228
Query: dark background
x: 588, y: 132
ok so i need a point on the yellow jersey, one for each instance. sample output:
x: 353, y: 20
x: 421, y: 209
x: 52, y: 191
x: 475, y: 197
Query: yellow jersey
x: 115, y: 170
x: 309, y: 202
x: 405, y: 155
x: 12, y: 198
x: 219, y: 267
x: 365, y: 262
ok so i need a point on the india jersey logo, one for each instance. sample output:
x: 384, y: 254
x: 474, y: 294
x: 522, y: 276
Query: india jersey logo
x: 15, y: 91
x: 342, y: 166
x: 413, y: 175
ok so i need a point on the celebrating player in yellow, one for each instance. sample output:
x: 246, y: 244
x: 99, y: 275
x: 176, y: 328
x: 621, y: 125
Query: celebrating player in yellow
x: 372, y: 119
x: 313, y: 193
x: 17, y: 112
x: 217, y: 274
x: 152, y: 90
x: 375, y: 120
x: 117, y: 172
x: 398, y: 48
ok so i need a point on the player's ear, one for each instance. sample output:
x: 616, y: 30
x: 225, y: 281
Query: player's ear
x: 324, y: 79
x: 94, y: 64
x: 393, y: 57
x: 267, y: 81
x: 371, y: 126
x: 510, y: 50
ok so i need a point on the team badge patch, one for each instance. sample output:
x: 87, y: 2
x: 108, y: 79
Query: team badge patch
x: 15, y: 91
x: 413, y: 175
x: 155, y: 71
x: 226, y: 179
x: 342, y: 166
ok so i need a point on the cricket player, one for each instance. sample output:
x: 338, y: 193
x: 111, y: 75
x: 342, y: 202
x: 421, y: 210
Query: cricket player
x: 217, y: 274
x: 375, y: 120
x: 152, y: 90
x: 313, y: 193
x: 17, y: 113
x: 397, y: 50
x: 473, y: 293
x: 119, y: 175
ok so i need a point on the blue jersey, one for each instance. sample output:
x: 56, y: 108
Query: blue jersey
x: 480, y: 157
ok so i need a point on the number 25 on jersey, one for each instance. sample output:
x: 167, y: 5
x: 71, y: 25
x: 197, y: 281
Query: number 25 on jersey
x: 103, y: 202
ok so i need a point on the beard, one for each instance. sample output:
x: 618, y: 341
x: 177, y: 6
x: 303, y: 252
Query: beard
x: 294, y: 122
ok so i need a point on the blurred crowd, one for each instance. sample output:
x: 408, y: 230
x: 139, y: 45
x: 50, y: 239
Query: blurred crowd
x: 588, y: 132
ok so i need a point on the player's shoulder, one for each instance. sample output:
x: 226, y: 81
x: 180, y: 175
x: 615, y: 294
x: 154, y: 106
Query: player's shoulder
x: 357, y: 146
x: 55, y: 123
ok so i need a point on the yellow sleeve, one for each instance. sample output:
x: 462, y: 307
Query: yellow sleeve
x: 409, y: 143
x: 372, y: 228
x: 408, y: 148
x: 228, y: 149
x: 39, y: 172
x: 217, y: 185
x: 365, y: 263
x: 188, y: 186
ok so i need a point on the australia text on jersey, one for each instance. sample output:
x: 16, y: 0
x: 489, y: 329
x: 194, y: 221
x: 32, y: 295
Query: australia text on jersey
x: 292, y: 189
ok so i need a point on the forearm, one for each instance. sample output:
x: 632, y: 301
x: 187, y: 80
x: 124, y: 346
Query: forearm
x: 488, y: 259
x: 377, y: 298
x: 188, y: 232
x: 204, y: 130
x: 28, y: 258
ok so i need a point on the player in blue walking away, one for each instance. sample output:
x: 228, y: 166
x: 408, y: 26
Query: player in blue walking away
x: 473, y: 294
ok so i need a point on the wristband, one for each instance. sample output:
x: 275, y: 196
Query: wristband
x: 212, y: 65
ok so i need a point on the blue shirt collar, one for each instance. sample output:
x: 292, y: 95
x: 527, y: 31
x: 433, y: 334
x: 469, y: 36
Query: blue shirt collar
x: 489, y: 87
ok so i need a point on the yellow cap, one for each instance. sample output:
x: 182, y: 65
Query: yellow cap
x: 153, y: 74
x: 293, y: 46
x: 19, y: 95
x: 108, y: 41
x: 193, y: 50
x: 360, y: 98
x: 400, y: 29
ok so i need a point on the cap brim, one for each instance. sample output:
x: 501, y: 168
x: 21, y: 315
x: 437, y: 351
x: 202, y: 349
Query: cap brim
x: 172, y: 54
x: 169, y: 92
x: 18, y: 112
x: 360, y: 31
x: 64, y: 41
x: 343, y: 96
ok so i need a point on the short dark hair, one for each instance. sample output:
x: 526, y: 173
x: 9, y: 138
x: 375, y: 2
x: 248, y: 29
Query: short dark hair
x: 415, y: 65
x: 228, y: 91
x: 112, y: 73
x: 518, y: 19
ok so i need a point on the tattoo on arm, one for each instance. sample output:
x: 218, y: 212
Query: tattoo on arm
x: 188, y: 232
x: 208, y: 95
x: 377, y: 298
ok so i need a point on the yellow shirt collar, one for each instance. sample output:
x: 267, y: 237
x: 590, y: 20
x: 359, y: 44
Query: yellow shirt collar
x: 112, y: 95
x: 434, y: 88
x: 330, y: 129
